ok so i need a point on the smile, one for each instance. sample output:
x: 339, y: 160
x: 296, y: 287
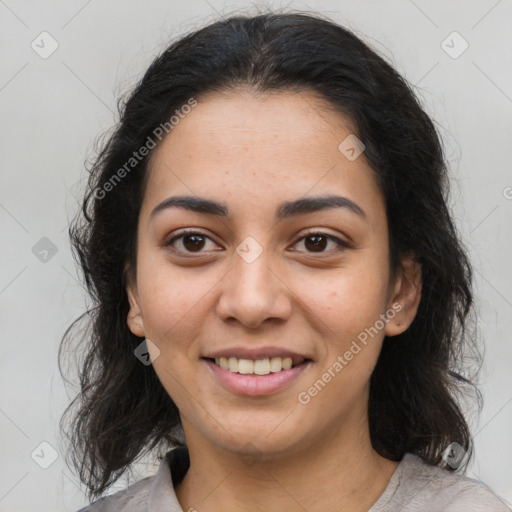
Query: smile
x: 257, y: 367
x: 256, y: 377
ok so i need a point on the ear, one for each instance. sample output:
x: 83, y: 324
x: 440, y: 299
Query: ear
x: 405, y: 296
x: 134, y: 319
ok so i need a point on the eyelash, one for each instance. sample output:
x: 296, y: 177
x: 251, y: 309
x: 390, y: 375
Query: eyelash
x: 341, y: 244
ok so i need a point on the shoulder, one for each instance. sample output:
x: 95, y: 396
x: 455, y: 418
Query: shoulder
x: 152, y: 493
x: 420, y: 486
x: 132, y: 499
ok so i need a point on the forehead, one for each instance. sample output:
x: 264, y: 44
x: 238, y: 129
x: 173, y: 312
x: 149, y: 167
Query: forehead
x: 275, y: 125
x: 257, y: 151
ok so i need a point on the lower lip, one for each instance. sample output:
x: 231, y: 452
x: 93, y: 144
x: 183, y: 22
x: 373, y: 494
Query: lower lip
x: 256, y: 385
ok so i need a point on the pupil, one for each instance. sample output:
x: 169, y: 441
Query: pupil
x: 316, y: 244
x: 194, y: 245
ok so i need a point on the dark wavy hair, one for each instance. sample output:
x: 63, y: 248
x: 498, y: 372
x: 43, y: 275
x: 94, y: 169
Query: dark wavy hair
x: 416, y: 387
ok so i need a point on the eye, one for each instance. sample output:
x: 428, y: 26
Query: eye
x: 192, y: 241
x: 316, y: 242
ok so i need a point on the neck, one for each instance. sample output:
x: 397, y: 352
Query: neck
x: 329, y: 474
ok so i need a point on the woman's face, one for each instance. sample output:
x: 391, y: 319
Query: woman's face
x: 267, y: 276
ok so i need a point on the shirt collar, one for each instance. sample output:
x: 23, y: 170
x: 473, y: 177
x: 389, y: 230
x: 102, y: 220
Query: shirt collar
x: 175, y: 464
x: 171, y: 471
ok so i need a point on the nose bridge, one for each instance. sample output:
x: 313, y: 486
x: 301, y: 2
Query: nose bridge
x: 252, y: 292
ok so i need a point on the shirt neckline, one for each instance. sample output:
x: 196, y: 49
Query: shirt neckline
x: 176, y: 463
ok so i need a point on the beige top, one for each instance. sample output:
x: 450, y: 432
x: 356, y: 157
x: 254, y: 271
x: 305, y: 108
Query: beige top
x: 415, y: 486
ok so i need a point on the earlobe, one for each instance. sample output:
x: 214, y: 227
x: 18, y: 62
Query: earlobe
x: 134, y: 318
x: 405, y: 298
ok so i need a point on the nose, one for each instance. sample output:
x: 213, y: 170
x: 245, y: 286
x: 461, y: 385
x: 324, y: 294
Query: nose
x: 253, y: 293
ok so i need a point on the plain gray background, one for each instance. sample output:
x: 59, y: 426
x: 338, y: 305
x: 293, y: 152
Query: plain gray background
x: 53, y: 108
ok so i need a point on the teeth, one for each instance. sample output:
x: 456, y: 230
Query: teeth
x: 276, y: 364
x: 257, y: 367
x: 262, y: 367
x: 287, y: 363
x: 233, y: 364
x: 245, y: 366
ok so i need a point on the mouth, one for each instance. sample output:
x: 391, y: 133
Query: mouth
x: 253, y: 373
x: 257, y: 367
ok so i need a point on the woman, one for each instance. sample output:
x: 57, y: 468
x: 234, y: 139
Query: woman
x: 275, y: 272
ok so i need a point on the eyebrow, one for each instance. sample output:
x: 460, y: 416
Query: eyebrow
x: 285, y: 210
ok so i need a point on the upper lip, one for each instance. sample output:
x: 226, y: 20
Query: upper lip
x: 255, y: 354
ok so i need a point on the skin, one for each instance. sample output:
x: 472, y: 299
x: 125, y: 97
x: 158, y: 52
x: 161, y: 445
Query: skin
x: 252, y: 152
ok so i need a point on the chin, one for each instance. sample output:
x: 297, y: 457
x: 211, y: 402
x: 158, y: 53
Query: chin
x: 258, y: 433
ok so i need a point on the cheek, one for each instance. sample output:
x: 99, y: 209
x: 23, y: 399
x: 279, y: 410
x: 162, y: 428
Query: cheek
x: 172, y: 301
x: 170, y: 306
x: 345, y: 301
